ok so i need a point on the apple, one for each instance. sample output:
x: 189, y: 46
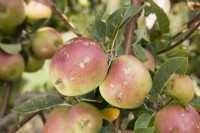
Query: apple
x: 12, y: 14
x: 33, y: 64
x: 11, y: 66
x: 150, y: 63
x: 127, y: 83
x: 78, y: 67
x: 180, y: 87
x: 84, y: 118
x: 56, y: 122
x: 36, y: 10
x: 176, y: 118
x: 45, y: 42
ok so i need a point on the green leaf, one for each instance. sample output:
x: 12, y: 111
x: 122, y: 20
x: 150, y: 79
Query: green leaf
x: 174, y: 65
x: 145, y: 130
x: 98, y: 30
x: 11, y: 48
x: 107, y: 127
x: 38, y: 103
x: 139, y: 52
x: 142, y: 121
x: 162, y: 18
x: 60, y: 5
x: 119, y: 18
x: 141, y: 32
x: 195, y: 102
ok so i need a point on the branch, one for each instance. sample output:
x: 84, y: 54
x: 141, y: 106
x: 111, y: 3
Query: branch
x: 22, y: 122
x: 191, y: 22
x: 66, y: 23
x: 130, y: 28
x: 7, y: 88
x: 182, y: 40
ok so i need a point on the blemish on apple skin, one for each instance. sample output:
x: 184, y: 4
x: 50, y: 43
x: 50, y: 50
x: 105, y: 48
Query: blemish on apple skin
x: 127, y: 70
x: 86, y: 59
x: 81, y: 65
x: 120, y: 97
x: 59, y: 83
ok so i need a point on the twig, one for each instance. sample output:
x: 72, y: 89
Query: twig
x: 182, y: 40
x: 22, y: 122
x: 42, y: 117
x: 6, y: 120
x: 130, y: 28
x: 117, y: 124
x: 188, y: 25
x: 66, y: 23
x: 7, y: 88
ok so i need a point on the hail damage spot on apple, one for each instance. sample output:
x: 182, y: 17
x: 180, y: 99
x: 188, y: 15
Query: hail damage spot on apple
x: 127, y: 83
x: 81, y: 64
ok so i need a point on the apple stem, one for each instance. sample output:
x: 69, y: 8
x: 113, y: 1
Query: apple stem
x: 130, y: 29
x: 66, y: 23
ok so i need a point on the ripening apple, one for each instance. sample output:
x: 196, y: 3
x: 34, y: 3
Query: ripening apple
x: 180, y: 87
x: 150, y: 63
x: 11, y: 66
x: 56, y: 122
x: 12, y: 14
x: 84, y: 118
x: 33, y: 63
x: 45, y: 42
x: 176, y: 118
x: 78, y: 67
x: 127, y: 83
x: 36, y: 10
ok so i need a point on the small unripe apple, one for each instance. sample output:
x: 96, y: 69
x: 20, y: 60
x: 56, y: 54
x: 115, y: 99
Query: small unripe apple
x: 11, y: 66
x: 78, y: 67
x: 176, y: 118
x: 84, y: 118
x: 33, y: 64
x: 180, y: 87
x: 12, y: 14
x: 127, y: 83
x: 36, y: 10
x: 56, y: 122
x: 45, y: 42
x: 150, y: 63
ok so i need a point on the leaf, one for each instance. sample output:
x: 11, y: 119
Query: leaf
x: 110, y: 114
x: 11, y: 48
x: 141, y: 32
x: 174, y: 65
x: 145, y: 130
x: 98, y: 30
x: 60, y: 5
x: 117, y: 19
x: 195, y: 102
x: 107, y: 127
x: 142, y: 121
x: 139, y: 52
x: 38, y: 103
x: 162, y: 18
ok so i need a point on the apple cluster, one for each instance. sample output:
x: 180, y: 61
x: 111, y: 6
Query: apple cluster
x: 43, y: 42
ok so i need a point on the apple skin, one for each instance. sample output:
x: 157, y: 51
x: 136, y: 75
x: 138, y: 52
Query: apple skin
x: 36, y: 10
x: 12, y: 14
x: 84, y: 118
x: 176, y: 118
x: 150, y: 63
x: 56, y: 122
x: 127, y: 83
x: 78, y: 67
x: 11, y: 66
x: 45, y: 42
x: 180, y: 87
x: 34, y: 64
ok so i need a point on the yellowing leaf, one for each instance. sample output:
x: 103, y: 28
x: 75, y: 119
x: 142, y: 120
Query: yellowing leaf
x: 110, y: 114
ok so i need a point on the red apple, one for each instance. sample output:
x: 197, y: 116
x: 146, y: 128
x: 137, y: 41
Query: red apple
x: 78, y: 67
x: 127, y: 83
x: 56, y: 122
x: 84, y: 118
x: 176, y: 118
x: 11, y: 66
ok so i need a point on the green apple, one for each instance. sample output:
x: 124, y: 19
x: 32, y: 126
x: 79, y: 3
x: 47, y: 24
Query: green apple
x: 45, y: 42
